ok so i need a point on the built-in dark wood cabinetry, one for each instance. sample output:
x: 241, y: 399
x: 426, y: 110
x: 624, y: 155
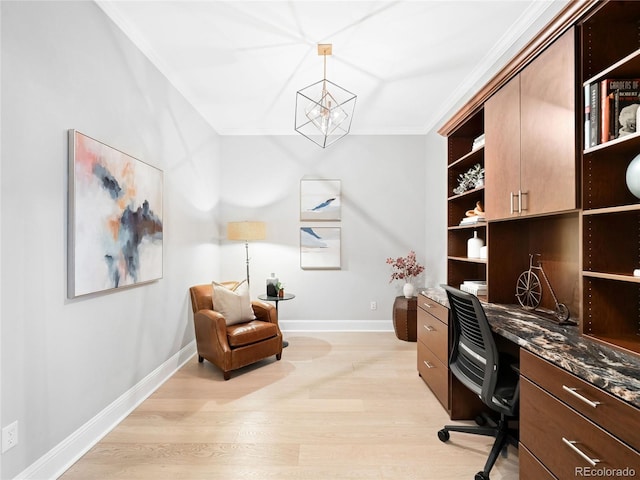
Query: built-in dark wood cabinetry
x: 585, y: 428
x: 434, y: 344
x: 530, y: 154
x: 611, y: 215
x: 462, y: 157
x: 546, y: 193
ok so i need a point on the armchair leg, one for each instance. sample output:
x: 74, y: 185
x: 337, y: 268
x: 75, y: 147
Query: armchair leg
x: 278, y: 356
x: 226, y: 375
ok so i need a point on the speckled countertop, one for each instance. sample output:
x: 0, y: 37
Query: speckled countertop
x: 611, y: 369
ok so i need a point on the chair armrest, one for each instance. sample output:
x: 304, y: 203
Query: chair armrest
x: 265, y: 311
x: 211, y: 329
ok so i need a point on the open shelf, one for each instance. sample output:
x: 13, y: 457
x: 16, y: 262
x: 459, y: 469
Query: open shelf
x: 610, y: 244
x: 470, y: 226
x: 629, y: 342
x: 468, y: 160
x: 612, y: 276
x: 627, y: 67
x: 467, y: 259
x: 466, y: 194
x: 608, y: 210
x: 611, y: 305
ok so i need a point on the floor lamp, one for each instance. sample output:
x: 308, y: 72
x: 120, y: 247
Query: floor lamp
x: 246, y: 231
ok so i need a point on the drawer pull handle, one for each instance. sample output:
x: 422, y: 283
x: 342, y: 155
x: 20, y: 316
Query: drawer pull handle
x: 429, y: 365
x: 571, y: 444
x: 429, y: 328
x: 574, y: 392
x: 426, y: 304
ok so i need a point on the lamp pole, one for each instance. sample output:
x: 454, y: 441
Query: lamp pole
x: 246, y: 247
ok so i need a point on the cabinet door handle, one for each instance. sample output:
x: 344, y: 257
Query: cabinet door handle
x: 511, y: 197
x: 520, y: 194
x: 429, y: 328
x: 519, y: 201
x: 429, y: 365
x: 572, y: 445
x: 426, y: 304
x: 574, y: 392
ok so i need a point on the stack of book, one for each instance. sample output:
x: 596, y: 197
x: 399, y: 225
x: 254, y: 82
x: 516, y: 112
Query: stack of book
x: 475, y: 287
x: 610, y: 109
x: 473, y: 220
x: 478, y: 142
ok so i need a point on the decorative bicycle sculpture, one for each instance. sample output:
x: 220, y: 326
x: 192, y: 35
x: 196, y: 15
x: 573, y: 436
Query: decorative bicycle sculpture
x: 529, y: 290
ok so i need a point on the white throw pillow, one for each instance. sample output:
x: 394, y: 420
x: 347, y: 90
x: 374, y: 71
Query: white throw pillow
x: 234, y: 305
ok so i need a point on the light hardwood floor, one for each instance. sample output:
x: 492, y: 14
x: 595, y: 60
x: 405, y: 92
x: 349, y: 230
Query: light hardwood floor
x: 337, y: 406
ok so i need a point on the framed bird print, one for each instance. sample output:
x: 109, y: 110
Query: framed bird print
x: 320, y: 200
x: 320, y: 248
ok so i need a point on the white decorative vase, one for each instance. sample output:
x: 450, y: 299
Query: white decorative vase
x: 633, y: 176
x: 473, y: 246
x: 408, y: 290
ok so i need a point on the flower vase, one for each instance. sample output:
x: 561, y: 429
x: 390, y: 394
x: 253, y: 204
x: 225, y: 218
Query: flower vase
x: 408, y: 290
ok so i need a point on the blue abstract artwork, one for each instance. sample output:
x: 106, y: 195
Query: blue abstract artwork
x: 320, y: 200
x: 115, y: 218
x: 320, y: 247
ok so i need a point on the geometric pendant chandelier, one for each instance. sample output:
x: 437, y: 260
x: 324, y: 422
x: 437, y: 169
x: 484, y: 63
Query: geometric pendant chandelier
x: 324, y: 110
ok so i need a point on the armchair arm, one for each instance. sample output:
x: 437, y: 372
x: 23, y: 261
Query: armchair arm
x: 265, y: 311
x: 211, y: 334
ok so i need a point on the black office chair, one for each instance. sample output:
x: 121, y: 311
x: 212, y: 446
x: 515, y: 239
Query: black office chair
x: 494, y: 377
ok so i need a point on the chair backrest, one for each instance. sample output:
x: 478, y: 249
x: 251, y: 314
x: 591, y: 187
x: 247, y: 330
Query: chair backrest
x: 202, y: 295
x: 474, y: 358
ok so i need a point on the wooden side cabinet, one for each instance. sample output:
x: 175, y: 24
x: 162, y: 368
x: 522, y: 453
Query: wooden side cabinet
x: 434, y: 341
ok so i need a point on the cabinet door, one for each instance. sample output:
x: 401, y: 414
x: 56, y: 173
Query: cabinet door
x: 547, y: 129
x: 502, y: 151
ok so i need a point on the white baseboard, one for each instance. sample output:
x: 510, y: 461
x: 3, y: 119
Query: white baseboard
x: 55, y: 462
x: 336, y: 325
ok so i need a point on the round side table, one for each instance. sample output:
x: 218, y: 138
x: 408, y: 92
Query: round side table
x: 269, y: 298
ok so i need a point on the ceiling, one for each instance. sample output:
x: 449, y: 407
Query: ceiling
x: 240, y: 63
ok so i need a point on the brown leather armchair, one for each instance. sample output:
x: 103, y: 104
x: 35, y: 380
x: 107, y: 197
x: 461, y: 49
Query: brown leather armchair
x: 234, y: 346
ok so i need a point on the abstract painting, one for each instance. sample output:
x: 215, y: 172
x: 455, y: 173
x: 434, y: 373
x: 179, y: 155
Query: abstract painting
x: 115, y: 218
x: 320, y: 248
x: 320, y: 200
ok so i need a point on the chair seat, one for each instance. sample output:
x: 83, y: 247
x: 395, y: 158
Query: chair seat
x: 251, y: 332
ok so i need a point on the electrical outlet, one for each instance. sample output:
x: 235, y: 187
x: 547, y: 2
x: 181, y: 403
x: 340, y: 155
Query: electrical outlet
x: 9, y: 436
x: 374, y: 305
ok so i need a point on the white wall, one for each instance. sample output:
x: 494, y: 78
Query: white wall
x: 435, y: 219
x: 383, y: 211
x: 65, y: 65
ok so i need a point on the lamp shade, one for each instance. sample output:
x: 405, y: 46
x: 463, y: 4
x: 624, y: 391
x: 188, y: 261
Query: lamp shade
x: 246, y: 231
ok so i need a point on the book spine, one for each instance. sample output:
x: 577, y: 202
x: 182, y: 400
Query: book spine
x: 595, y: 113
x: 606, y: 117
x: 587, y: 117
x: 616, y: 95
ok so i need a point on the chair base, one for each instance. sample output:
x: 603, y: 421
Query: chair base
x: 227, y: 374
x: 503, y: 434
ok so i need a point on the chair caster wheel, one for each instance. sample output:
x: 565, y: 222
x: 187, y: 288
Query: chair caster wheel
x: 481, y: 420
x: 481, y: 476
x: 443, y: 435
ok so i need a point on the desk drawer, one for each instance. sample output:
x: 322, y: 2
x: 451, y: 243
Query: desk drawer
x: 434, y: 374
x: 434, y: 334
x: 434, y: 308
x: 612, y: 414
x: 530, y: 467
x: 546, y: 425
